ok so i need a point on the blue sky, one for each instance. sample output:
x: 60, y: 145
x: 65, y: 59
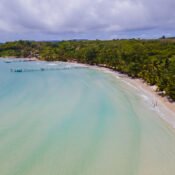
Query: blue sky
x: 85, y: 19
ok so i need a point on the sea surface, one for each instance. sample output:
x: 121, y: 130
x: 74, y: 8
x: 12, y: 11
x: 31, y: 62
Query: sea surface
x: 78, y: 122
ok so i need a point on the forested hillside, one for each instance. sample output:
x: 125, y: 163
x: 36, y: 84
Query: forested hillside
x: 151, y: 60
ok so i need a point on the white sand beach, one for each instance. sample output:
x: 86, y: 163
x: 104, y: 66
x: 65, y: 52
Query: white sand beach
x: 164, y: 107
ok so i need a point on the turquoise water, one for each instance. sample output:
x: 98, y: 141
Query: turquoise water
x: 78, y: 122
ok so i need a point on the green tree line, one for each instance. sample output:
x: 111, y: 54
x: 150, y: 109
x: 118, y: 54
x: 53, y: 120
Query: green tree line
x: 151, y: 60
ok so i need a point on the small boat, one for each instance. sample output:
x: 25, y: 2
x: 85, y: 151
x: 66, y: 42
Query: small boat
x: 7, y: 61
x: 19, y: 70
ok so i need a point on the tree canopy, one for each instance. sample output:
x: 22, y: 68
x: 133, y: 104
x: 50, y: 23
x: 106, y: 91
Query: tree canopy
x: 151, y: 60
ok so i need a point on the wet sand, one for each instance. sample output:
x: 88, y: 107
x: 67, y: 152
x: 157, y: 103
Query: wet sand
x: 162, y: 104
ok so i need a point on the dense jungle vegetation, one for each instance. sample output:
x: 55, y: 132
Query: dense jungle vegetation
x: 151, y: 60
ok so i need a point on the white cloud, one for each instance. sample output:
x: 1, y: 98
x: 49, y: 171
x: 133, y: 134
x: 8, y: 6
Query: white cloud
x: 74, y: 16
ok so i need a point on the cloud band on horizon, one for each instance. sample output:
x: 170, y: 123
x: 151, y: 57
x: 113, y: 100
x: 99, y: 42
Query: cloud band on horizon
x: 74, y: 17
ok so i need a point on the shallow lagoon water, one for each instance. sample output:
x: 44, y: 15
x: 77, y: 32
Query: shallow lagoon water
x: 78, y: 122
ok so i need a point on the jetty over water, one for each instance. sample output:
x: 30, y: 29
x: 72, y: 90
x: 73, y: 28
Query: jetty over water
x: 20, y: 60
x: 46, y: 69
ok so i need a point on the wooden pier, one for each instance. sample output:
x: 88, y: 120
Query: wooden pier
x: 19, y: 70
